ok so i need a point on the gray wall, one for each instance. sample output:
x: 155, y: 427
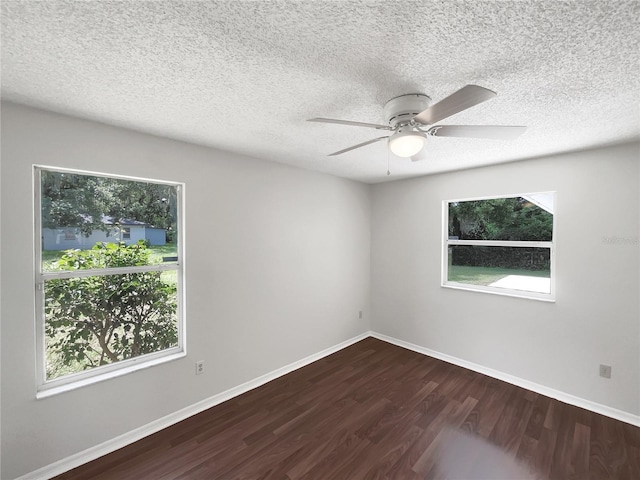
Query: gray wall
x: 277, y: 268
x: 596, y: 318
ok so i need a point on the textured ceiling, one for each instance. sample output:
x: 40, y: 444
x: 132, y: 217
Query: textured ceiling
x: 243, y: 76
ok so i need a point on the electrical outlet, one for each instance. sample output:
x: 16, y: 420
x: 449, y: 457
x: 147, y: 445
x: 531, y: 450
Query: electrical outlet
x: 360, y: 314
x: 605, y: 371
x: 200, y: 367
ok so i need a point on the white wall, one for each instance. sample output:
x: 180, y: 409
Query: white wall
x: 277, y: 269
x: 596, y: 318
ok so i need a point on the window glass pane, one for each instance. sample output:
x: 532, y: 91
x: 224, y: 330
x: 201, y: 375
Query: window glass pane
x: 514, y: 268
x: 525, y: 218
x: 100, y: 320
x: 81, y: 211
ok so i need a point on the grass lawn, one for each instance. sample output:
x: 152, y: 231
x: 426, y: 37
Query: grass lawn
x: 50, y: 256
x: 157, y: 252
x: 488, y: 275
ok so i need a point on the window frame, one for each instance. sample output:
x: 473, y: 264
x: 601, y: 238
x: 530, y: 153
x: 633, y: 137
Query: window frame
x: 46, y: 388
x: 446, y: 243
x: 69, y: 235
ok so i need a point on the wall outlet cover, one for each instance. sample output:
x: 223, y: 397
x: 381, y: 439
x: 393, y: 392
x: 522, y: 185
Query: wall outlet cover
x: 605, y: 371
x: 200, y: 367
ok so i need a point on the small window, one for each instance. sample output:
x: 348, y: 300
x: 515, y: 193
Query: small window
x: 106, y: 306
x: 500, y: 245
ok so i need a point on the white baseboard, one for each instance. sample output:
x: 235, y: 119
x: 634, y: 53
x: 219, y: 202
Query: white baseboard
x: 520, y: 382
x: 114, y: 444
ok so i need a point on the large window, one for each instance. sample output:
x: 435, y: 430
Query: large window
x: 500, y: 245
x: 106, y: 304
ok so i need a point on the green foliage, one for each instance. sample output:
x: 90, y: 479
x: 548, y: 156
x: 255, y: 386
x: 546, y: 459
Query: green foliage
x: 50, y: 258
x: 527, y: 258
x: 75, y: 200
x: 96, y: 320
x: 500, y: 219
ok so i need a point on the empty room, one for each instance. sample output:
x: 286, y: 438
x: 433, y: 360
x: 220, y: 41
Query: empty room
x: 352, y: 239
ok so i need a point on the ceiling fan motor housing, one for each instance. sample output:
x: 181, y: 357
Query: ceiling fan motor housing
x: 402, y: 109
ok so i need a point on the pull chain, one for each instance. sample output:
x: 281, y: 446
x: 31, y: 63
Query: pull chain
x: 388, y: 171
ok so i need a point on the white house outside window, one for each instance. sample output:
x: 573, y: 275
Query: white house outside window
x: 501, y: 245
x: 105, y: 305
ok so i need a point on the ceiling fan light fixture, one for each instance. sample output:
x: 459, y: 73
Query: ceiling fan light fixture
x: 406, y: 142
x: 403, y: 119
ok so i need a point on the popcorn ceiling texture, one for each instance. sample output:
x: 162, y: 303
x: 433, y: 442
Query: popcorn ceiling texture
x: 243, y: 76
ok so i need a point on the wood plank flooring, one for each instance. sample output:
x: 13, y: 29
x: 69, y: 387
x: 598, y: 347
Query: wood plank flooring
x: 377, y: 411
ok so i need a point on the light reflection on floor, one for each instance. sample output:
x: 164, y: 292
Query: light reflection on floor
x: 463, y: 456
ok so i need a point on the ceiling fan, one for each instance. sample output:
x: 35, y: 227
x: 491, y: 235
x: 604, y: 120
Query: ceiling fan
x: 411, y: 120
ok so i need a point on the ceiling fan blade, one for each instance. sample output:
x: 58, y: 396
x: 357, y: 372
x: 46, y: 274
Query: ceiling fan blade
x: 421, y: 155
x: 339, y: 152
x: 348, y: 122
x: 498, y: 132
x: 466, y: 97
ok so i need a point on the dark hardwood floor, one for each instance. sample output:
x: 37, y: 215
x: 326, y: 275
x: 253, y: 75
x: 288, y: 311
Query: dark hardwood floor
x: 377, y: 411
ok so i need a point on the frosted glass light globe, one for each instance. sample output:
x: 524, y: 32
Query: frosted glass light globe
x: 406, y: 143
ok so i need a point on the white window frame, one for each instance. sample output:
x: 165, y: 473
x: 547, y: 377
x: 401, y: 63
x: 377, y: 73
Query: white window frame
x: 446, y: 243
x: 46, y: 388
x: 70, y: 235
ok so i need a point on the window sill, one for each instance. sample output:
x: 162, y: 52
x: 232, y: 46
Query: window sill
x: 542, y: 297
x: 45, y: 391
